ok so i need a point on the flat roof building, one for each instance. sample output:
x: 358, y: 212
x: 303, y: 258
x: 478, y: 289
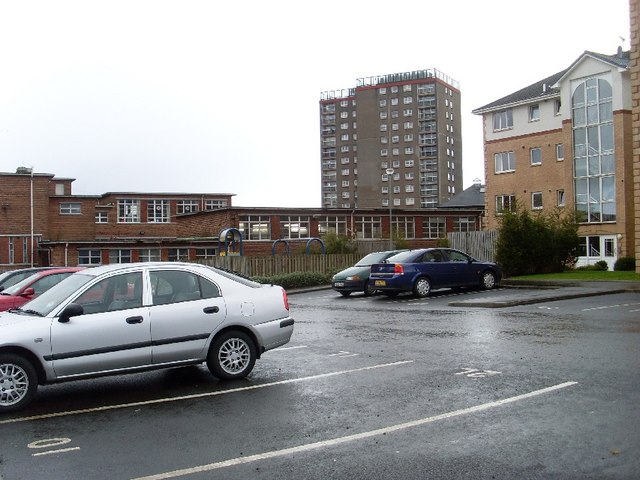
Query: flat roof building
x: 392, y: 140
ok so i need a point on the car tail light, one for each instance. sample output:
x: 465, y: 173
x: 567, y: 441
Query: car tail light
x: 285, y: 299
x: 398, y: 268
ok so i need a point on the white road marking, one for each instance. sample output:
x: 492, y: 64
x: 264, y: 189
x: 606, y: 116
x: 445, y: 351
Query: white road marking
x: 51, y: 452
x: 201, y: 395
x: 284, y: 349
x: 350, y: 438
x: 604, y: 307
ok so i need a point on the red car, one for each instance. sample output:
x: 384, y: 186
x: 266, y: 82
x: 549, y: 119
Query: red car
x: 32, y: 286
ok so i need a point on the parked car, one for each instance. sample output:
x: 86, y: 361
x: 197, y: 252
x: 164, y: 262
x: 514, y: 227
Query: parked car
x: 420, y: 271
x: 129, y: 317
x: 11, y: 277
x: 32, y: 286
x: 356, y: 278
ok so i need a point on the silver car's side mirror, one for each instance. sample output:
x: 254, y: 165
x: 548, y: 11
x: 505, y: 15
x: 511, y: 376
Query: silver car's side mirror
x: 71, y: 310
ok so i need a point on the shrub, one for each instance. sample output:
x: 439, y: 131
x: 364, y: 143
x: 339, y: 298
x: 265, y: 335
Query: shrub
x: 540, y: 243
x: 625, y: 264
x: 296, y: 279
x: 602, y: 265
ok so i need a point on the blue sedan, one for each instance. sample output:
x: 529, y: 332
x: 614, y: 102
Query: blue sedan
x: 426, y: 269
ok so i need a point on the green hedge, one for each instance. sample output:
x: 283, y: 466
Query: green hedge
x: 296, y: 279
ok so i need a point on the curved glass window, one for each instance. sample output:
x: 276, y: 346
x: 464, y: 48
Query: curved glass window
x: 593, y: 151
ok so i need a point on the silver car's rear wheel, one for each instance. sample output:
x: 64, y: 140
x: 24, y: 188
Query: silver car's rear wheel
x: 18, y: 382
x: 232, y: 355
x: 422, y: 287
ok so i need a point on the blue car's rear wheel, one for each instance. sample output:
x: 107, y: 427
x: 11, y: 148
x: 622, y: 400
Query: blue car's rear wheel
x: 422, y: 287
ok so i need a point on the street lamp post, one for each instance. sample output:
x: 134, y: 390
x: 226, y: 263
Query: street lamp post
x: 390, y: 172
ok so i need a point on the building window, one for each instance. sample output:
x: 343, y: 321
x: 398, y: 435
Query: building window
x: 215, y: 204
x: 560, y: 197
x: 158, y: 211
x: 534, y: 113
x: 102, y: 217
x: 535, y: 154
x: 12, y: 251
x: 505, y: 162
x: 559, y: 151
x: 255, y: 227
x: 557, y: 107
x: 368, y: 228
x: 503, y: 120
x: 332, y: 224
x: 128, y: 211
x: 464, y: 224
x: 434, y: 227
x: 505, y: 203
x: 149, y: 254
x: 536, y: 200
x: 70, y: 208
x: 120, y: 256
x: 294, y: 226
x: 186, y: 206
x: 89, y: 257
x: 593, y: 151
x: 178, y: 254
x: 206, y: 253
x: 404, y: 227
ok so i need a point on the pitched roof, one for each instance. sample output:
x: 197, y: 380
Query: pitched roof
x: 469, y: 197
x: 548, y: 87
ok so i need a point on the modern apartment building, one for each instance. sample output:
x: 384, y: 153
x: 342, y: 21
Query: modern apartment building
x: 393, y: 140
x: 565, y: 142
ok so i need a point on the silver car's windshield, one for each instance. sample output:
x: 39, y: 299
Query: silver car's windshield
x: 49, y: 300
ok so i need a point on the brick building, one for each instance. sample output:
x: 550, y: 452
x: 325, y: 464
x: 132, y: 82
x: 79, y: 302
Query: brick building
x: 40, y: 214
x: 565, y: 143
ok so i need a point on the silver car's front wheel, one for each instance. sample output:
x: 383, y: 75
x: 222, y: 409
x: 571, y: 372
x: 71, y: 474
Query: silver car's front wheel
x: 232, y: 355
x: 18, y: 382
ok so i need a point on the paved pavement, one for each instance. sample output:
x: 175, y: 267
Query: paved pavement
x: 532, y: 292
x: 537, y: 292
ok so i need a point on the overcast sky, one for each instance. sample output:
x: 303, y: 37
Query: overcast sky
x: 222, y: 96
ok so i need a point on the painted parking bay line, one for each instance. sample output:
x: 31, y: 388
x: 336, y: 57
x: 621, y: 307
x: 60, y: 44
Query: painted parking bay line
x: 202, y: 395
x: 351, y: 438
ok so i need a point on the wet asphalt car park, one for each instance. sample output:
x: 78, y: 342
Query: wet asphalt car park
x: 509, y: 383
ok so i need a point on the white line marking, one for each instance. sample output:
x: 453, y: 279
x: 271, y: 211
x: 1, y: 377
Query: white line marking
x: 201, y: 395
x: 604, y: 307
x: 351, y: 438
x: 284, y: 349
x: 51, y: 452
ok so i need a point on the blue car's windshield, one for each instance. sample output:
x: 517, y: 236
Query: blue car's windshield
x: 53, y: 297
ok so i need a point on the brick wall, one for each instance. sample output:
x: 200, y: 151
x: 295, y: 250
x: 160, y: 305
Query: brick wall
x: 634, y: 14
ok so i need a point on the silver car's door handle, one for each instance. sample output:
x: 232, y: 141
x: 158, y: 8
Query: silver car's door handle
x: 132, y: 320
x: 211, y: 310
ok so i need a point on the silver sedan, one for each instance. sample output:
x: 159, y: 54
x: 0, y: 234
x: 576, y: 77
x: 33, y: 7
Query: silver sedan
x: 131, y: 317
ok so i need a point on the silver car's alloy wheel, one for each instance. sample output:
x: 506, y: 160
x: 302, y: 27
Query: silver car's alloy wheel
x: 488, y: 280
x: 234, y: 355
x: 18, y: 382
x: 422, y: 288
